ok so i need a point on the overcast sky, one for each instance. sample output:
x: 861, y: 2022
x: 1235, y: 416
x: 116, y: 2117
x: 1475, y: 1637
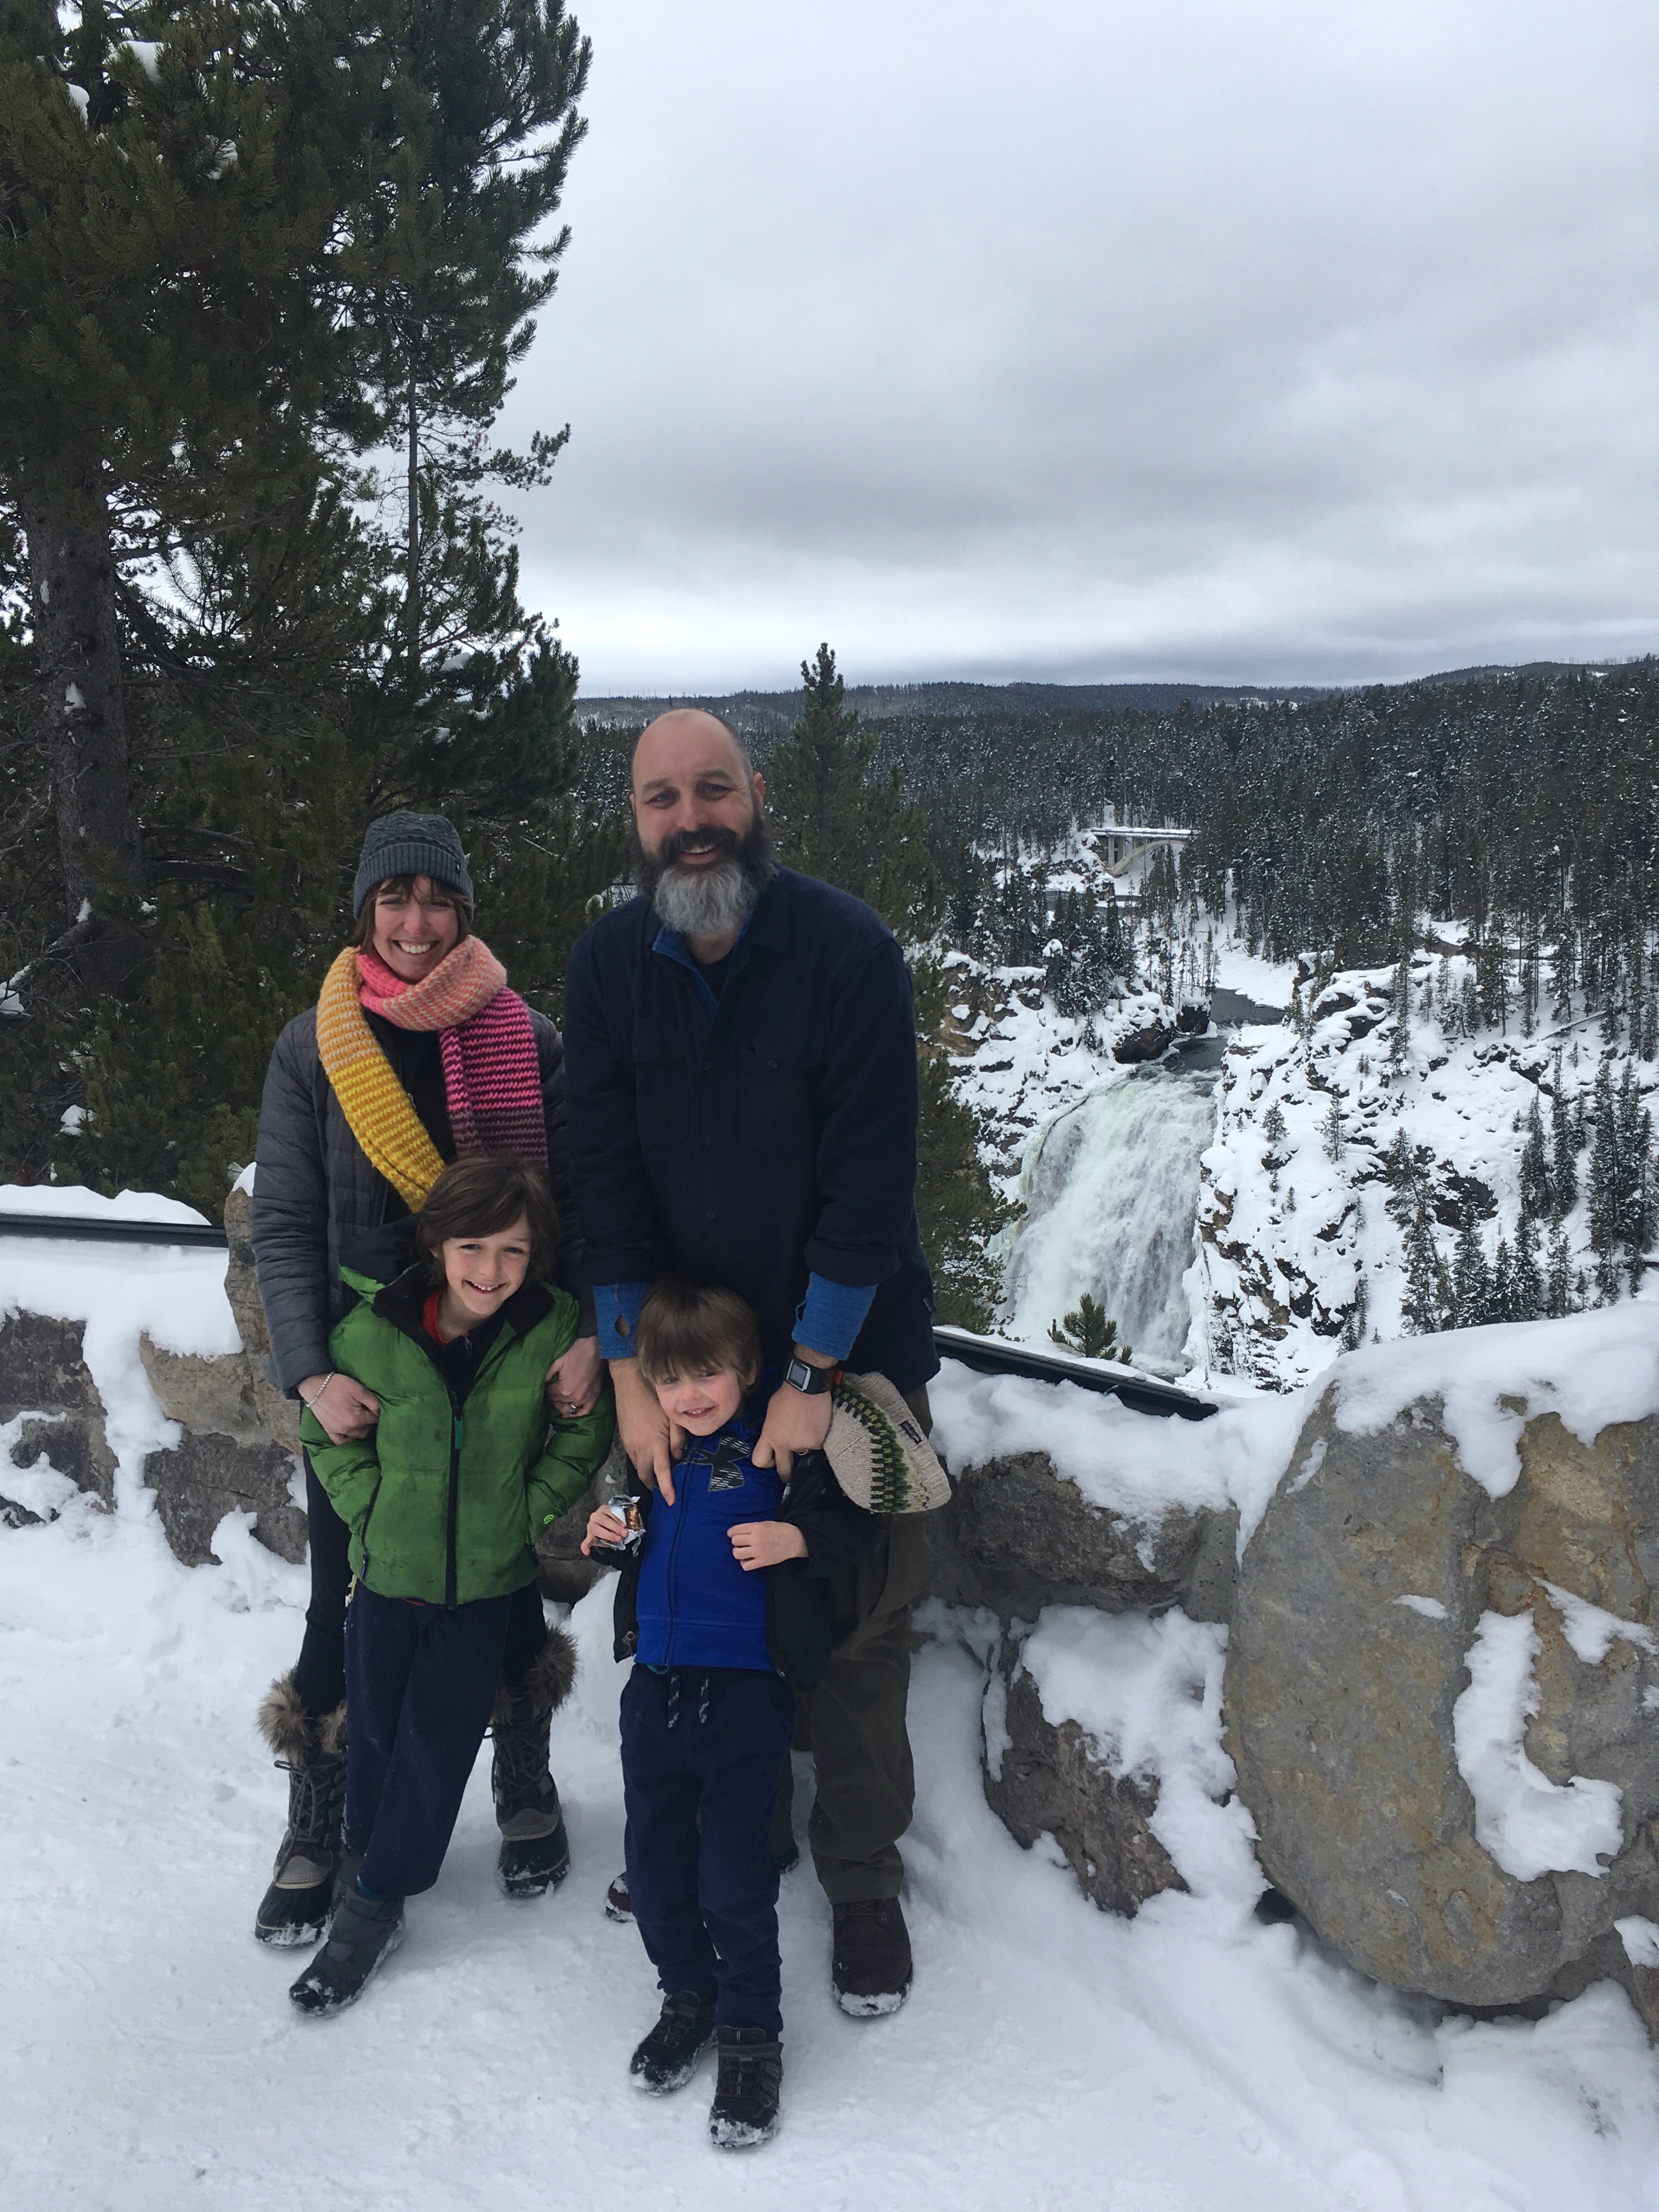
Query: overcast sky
x: 1084, y: 340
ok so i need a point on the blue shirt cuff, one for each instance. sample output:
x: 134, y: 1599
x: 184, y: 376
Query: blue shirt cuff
x: 831, y: 1314
x: 616, y: 1306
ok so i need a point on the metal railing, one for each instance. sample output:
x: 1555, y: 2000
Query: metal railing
x: 87, y: 1226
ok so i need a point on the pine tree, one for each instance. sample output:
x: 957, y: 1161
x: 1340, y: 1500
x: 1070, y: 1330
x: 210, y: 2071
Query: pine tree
x: 957, y: 1209
x: 1427, y: 1305
x: 1502, y: 1305
x: 1606, y: 1211
x: 156, y: 351
x: 1534, y: 1164
x: 1563, y: 1151
x: 1529, y: 1291
x: 1089, y: 1332
x: 1559, y: 1287
x: 1400, y: 1041
x: 1472, y: 1280
x: 835, y: 816
x: 1332, y: 1130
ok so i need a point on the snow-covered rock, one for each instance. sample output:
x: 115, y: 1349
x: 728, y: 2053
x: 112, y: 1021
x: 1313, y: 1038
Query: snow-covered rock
x: 1443, y: 1671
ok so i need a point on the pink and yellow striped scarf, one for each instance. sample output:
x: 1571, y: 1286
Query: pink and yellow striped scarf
x: 492, y: 1076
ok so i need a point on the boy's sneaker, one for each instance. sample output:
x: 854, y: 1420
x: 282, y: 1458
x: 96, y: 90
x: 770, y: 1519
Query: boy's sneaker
x: 870, y: 1964
x: 366, y: 1931
x: 744, y: 2112
x: 667, y: 2058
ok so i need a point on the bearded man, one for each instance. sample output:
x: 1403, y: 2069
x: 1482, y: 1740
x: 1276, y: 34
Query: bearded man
x: 740, y: 1058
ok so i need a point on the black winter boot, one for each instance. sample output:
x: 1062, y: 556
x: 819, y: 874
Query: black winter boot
x: 871, y: 1966
x: 744, y: 2112
x: 364, y: 1934
x: 668, y: 2058
x: 535, y: 1850
x: 303, y: 1881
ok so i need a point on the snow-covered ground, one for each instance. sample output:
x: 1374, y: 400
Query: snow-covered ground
x: 1051, y: 2056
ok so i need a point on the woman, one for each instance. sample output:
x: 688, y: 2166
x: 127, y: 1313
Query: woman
x: 416, y: 1054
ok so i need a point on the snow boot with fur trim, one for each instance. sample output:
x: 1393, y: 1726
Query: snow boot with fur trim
x: 303, y: 1882
x: 667, y: 2058
x: 871, y: 1965
x: 744, y: 2112
x: 364, y: 1934
x: 535, y: 1850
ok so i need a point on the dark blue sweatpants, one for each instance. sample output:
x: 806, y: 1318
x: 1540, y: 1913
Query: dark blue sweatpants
x: 420, y: 1683
x: 702, y: 1754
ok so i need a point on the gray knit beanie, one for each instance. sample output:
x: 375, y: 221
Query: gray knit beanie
x: 411, y: 845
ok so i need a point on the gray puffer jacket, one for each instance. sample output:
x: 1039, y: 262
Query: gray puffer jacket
x: 319, y: 1206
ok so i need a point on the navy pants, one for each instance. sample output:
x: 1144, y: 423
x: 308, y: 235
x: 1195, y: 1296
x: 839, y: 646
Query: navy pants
x: 319, y: 1670
x: 420, y: 1683
x: 703, y: 1753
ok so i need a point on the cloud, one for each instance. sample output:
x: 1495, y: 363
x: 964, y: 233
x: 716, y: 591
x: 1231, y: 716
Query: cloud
x: 1100, y: 340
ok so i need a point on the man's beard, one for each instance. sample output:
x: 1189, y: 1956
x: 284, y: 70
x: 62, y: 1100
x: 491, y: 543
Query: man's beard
x: 716, y: 898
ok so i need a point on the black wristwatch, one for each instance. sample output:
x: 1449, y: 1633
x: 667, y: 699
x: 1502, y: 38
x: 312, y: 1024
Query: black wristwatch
x: 811, y: 1382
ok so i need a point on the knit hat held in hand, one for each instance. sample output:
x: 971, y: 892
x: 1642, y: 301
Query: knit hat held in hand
x: 881, y: 1458
x: 411, y: 845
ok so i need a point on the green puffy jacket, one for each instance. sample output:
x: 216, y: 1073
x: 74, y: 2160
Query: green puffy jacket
x: 445, y: 1499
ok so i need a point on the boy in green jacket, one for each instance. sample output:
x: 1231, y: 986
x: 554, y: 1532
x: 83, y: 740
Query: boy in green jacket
x: 444, y: 1501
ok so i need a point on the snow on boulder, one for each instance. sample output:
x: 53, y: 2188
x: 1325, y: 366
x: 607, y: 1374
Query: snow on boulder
x: 1104, y: 1734
x: 1443, y: 1680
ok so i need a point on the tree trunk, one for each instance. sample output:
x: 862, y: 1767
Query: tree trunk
x: 412, y: 603
x: 84, y: 714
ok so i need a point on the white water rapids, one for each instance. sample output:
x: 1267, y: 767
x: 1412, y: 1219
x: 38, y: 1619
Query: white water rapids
x: 1111, y: 1195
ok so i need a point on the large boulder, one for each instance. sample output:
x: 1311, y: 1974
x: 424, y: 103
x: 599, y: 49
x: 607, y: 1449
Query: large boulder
x: 1443, y: 1671
x: 1018, y: 1535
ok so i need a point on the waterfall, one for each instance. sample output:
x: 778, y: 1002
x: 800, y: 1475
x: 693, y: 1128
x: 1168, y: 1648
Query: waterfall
x: 1111, y: 1195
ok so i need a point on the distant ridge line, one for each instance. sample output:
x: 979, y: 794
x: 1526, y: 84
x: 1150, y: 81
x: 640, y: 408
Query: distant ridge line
x: 877, y: 703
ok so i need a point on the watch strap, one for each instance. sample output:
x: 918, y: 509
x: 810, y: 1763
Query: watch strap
x: 811, y: 1381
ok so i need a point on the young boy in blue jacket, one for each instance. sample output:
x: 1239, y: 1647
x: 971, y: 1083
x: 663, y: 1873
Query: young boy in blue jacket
x: 725, y: 1612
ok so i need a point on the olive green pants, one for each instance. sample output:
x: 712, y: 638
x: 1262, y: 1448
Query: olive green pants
x: 854, y: 1723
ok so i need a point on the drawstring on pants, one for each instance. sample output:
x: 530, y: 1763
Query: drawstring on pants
x: 674, y: 1698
